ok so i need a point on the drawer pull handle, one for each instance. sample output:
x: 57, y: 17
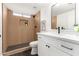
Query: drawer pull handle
x: 66, y: 47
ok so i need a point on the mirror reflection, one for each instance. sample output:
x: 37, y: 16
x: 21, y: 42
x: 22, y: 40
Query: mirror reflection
x: 63, y: 16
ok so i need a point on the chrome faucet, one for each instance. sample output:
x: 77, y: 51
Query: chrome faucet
x: 58, y: 30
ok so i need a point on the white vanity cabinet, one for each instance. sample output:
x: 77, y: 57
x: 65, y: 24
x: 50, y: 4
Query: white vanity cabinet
x: 42, y: 48
x: 47, y: 47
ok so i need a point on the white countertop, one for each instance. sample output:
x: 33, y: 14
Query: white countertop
x: 71, y: 35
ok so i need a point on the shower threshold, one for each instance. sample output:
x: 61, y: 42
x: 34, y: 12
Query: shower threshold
x: 10, y: 48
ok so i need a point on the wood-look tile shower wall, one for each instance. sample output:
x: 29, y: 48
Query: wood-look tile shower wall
x: 15, y: 31
x: 5, y: 28
x: 19, y: 32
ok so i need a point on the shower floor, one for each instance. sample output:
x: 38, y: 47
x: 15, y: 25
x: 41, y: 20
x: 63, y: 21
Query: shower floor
x: 24, y: 53
x: 10, y: 48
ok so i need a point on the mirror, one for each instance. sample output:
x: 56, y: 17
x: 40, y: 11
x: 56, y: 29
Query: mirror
x: 63, y: 15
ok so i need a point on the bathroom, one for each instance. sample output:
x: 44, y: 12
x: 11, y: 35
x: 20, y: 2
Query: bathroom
x: 50, y: 27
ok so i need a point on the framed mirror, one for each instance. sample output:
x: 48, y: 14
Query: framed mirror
x: 63, y: 16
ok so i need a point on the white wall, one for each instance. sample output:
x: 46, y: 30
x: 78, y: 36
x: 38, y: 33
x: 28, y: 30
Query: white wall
x: 77, y: 13
x: 46, y: 15
x: 1, y: 29
x: 66, y: 19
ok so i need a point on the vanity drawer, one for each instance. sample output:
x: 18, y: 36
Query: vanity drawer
x: 70, y: 48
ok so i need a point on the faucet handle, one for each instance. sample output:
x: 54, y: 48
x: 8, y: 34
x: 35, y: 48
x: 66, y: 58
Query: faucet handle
x: 58, y: 30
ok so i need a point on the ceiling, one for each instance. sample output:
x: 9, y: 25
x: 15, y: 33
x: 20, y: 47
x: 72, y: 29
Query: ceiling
x: 33, y: 8
x: 61, y: 8
x: 25, y: 8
